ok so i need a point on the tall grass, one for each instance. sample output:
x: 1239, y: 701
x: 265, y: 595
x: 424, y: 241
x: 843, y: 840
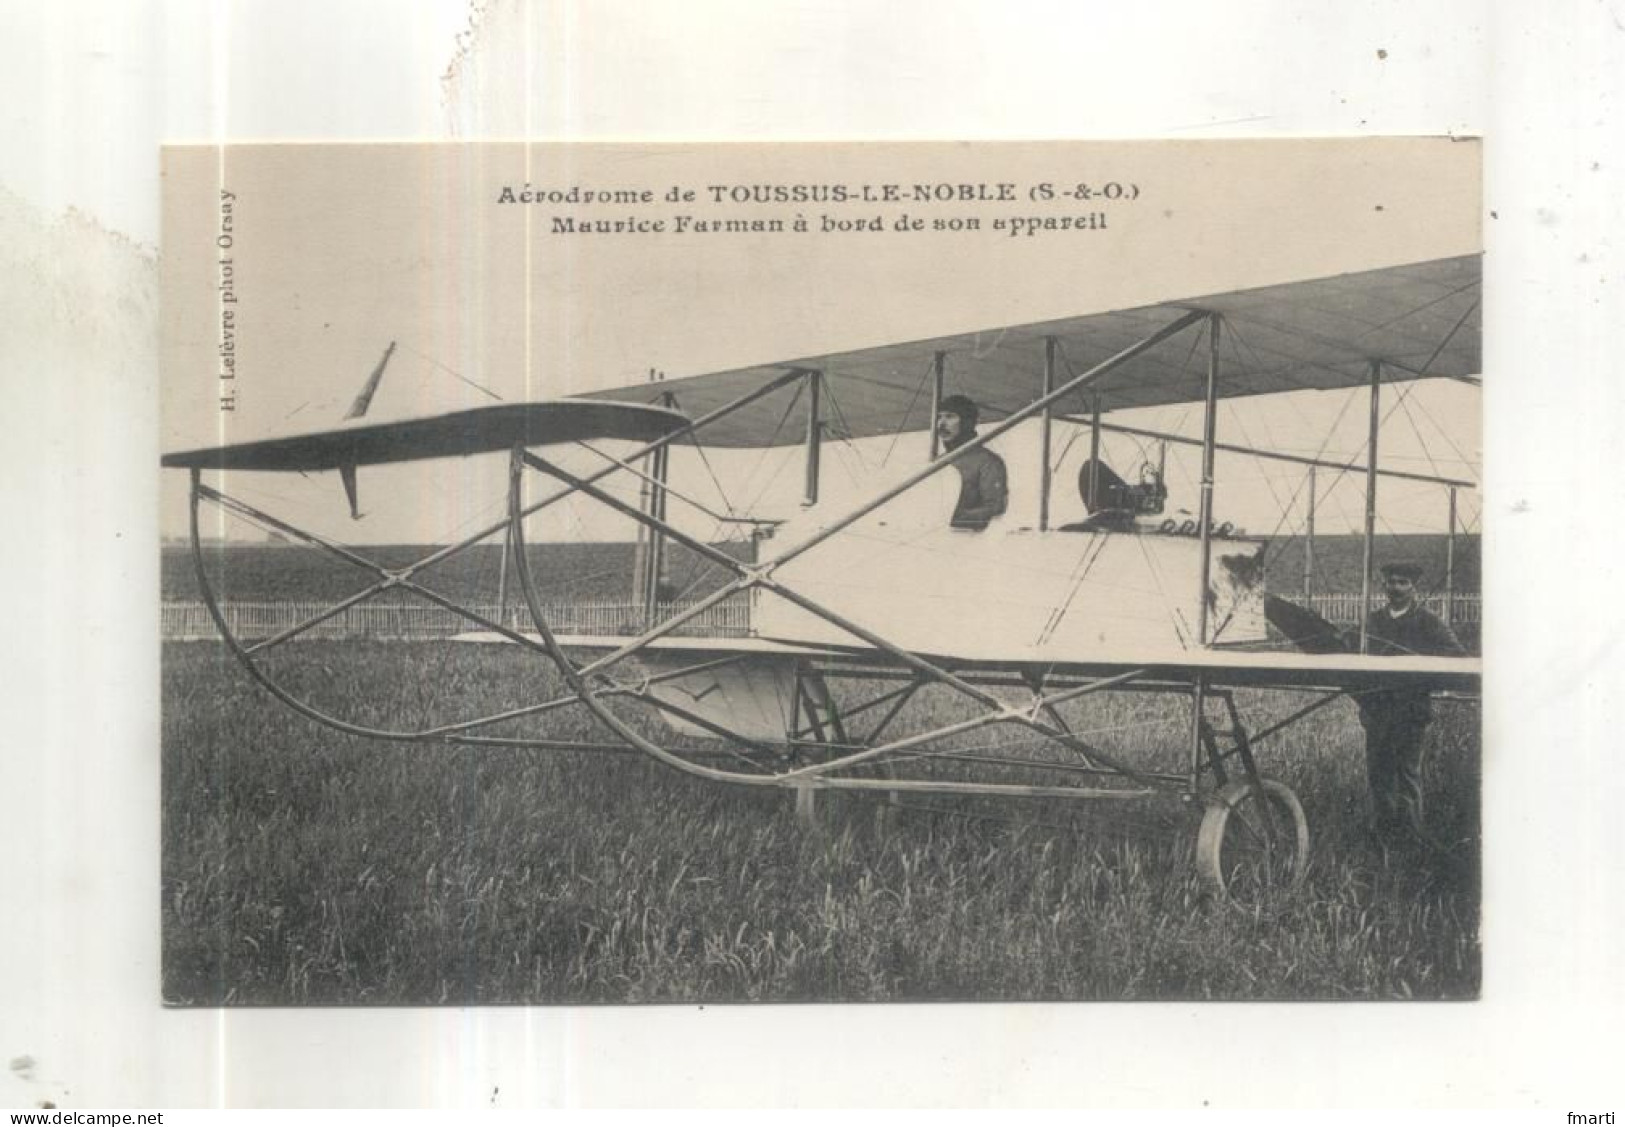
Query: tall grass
x: 302, y: 866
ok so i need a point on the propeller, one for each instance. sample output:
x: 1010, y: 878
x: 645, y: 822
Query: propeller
x: 358, y: 409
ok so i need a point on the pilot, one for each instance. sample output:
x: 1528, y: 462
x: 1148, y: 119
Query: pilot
x: 983, y: 493
x: 1395, y: 719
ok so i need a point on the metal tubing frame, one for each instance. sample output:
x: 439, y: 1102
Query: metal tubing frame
x: 671, y: 491
x: 654, y: 562
x: 1281, y: 725
x: 1198, y: 691
x: 946, y: 786
x: 1369, y: 547
x: 502, y: 578
x: 904, y: 695
x: 1242, y: 745
x: 242, y: 508
x: 398, y: 577
x: 804, y: 705
x: 1205, y: 565
x: 913, y: 661
x: 1271, y: 455
x: 1210, y: 424
x: 815, y: 691
x: 1004, y: 715
x: 938, y: 370
x: 896, y: 698
x: 1047, y: 418
x: 817, y: 776
x: 576, y: 677
x: 666, y: 627
x: 884, y: 698
x: 665, y: 440
x: 1059, y: 721
x: 1093, y: 500
x: 640, y: 550
x: 198, y: 493
x: 1165, y: 777
x: 649, y: 520
x: 1000, y: 677
x: 824, y: 770
x: 1073, y: 692
x: 590, y: 696
x: 393, y: 578
x: 815, y: 435
x: 315, y: 620
x: 456, y: 734
x: 1309, y: 544
x: 1450, y: 563
x: 1014, y: 419
x: 760, y: 575
x: 720, y: 731
x: 564, y: 702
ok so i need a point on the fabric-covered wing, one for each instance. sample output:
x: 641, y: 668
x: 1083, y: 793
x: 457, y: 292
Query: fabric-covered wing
x: 460, y: 433
x: 1354, y: 673
x: 1419, y: 320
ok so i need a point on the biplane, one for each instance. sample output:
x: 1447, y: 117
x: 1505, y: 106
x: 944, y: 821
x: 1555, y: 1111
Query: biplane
x: 854, y: 613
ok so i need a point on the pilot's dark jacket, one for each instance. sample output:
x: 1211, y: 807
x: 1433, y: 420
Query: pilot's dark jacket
x: 1395, y: 719
x: 983, y: 493
x: 1417, y: 631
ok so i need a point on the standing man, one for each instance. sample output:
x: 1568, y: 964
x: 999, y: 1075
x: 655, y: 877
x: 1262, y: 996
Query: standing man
x: 1395, y: 719
x: 983, y: 493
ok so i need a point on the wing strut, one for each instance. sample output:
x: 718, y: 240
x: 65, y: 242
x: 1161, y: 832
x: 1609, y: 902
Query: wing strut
x: 1370, y: 504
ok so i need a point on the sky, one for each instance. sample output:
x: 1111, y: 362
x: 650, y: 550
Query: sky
x: 197, y: 70
x: 312, y: 259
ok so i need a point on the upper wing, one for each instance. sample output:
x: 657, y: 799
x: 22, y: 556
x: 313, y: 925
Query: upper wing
x: 478, y: 431
x: 1419, y: 320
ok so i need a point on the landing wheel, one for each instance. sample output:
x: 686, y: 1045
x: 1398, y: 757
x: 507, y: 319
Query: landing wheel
x: 1253, y: 847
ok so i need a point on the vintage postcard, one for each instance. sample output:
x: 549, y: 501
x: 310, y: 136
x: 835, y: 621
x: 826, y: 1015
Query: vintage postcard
x: 610, y: 573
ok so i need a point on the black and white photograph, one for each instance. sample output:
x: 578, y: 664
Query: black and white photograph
x: 810, y: 555
x: 615, y: 573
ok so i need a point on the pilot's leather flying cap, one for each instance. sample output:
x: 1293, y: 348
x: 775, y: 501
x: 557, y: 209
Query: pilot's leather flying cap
x: 964, y: 407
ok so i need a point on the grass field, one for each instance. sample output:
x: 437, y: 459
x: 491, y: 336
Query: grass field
x: 259, y: 571
x: 303, y: 866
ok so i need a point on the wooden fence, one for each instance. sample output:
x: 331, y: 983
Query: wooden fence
x: 188, y: 621
x: 1464, y: 609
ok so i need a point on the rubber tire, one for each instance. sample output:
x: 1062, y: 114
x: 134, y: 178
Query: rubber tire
x: 1218, y: 829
